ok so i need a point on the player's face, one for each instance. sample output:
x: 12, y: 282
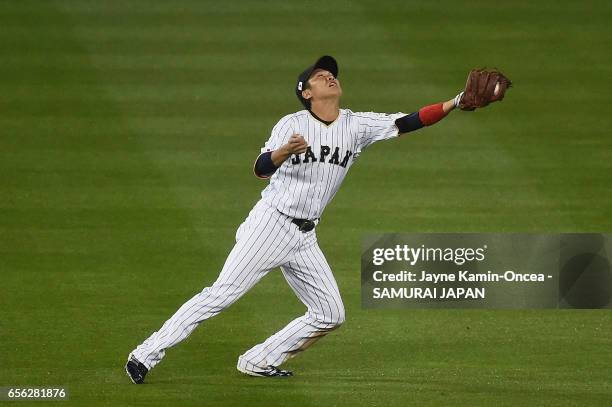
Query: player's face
x: 323, y: 85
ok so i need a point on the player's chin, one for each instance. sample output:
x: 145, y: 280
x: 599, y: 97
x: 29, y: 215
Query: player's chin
x: 335, y: 91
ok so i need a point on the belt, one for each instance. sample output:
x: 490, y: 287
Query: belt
x: 305, y: 225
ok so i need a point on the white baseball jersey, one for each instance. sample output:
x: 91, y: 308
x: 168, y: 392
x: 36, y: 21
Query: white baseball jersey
x: 267, y: 239
x: 304, y: 184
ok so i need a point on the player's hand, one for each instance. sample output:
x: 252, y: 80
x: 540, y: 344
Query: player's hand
x: 296, y: 144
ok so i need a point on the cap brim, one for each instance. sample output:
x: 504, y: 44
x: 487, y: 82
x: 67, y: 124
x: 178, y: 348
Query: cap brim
x: 328, y: 63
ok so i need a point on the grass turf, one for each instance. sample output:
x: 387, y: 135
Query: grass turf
x: 128, y: 134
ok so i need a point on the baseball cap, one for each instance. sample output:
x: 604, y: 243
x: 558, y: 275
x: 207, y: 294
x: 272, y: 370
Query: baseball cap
x: 325, y: 62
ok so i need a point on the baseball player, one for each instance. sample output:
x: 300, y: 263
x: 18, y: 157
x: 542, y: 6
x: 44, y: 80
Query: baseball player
x: 306, y: 159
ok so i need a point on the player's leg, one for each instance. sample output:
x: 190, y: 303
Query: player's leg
x: 311, y: 278
x: 262, y: 244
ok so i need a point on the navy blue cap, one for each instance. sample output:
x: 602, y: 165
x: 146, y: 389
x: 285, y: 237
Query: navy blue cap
x: 325, y: 62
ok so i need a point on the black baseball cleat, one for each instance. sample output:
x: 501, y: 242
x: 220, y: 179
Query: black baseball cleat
x: 136, y: 370
x: 273, y: 371
x: 270, y: 371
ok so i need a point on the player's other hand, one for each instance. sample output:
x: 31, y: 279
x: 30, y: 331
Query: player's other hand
x: 296, y: 144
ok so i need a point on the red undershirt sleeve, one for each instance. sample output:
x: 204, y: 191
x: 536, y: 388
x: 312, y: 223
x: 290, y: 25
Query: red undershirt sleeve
x: 432, y: 114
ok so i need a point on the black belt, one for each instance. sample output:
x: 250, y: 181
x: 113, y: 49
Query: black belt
x: 305, y: 225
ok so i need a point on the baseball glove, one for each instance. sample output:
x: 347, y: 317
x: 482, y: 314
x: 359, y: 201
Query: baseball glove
x: 483, y: 86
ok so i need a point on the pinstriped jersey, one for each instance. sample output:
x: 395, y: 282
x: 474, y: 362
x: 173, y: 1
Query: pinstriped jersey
x: 305, y: 183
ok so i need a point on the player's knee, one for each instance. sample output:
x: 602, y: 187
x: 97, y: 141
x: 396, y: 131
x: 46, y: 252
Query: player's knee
x: 339, y: 318
x: 327, y: 321
x: 221, y: 295
x: 340, y: 315
x: 337, y: 315
x: 335, y: 319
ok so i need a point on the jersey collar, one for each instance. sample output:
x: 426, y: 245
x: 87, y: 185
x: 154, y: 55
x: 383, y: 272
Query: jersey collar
x: 325, y: 122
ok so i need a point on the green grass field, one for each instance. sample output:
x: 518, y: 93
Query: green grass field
x: 128, y: 134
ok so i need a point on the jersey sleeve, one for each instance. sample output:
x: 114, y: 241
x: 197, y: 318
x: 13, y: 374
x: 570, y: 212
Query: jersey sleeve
x: 280, y: 134
x: 373, y: 127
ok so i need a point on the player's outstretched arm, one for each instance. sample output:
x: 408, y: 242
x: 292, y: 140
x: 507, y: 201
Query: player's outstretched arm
x: 483, y: 86
x: 267, y: 163
x: 427, y: 115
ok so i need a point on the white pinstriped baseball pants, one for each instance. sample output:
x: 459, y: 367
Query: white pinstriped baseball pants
x: 266, y: 239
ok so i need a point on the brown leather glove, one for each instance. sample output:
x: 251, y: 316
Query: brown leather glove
x: 483, y: 86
